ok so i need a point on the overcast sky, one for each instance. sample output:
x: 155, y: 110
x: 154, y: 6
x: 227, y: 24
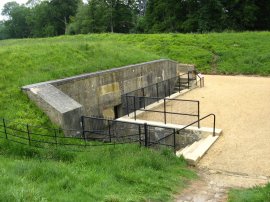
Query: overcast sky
x: 3, y: 2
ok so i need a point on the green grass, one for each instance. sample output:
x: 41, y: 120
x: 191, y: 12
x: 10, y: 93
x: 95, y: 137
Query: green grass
x: 256, y: 194
x: 109, y: 174
x: 120, y: 173
x: 29, y: 61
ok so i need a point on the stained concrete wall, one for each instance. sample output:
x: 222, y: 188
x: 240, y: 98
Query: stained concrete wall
x: 98, y: 93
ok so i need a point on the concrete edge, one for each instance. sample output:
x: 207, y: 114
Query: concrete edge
x: 218, y: 131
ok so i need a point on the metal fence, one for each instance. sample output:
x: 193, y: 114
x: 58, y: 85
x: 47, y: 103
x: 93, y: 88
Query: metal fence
x: 43, y: 137
x: 166, y: 110
x: 181, y: 131
x: 97, y: 132
x: 164, y: 88
x: 115, y: 131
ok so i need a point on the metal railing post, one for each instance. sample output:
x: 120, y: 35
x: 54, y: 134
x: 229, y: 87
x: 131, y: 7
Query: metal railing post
x: 5, y: 129
x: 199, y: 115
x: 188, y: 79
x: 140, y: 139
x: 145, y: 135
x: 169, y: 87
x: 165, y: 89
x: 214, y: 128
x: 110, y: 135
x: 179, y: 84
x: 144, y: 98
x: 28, y: 133
x: 157, y: 90
x: 165, y: 112
x: 127, y: 108
x: 55, y: 136
x: 83, y: 130
x: 174, y: 141
x: 134, y: 105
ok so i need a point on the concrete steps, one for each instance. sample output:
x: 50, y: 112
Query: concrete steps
x: 193, y: 153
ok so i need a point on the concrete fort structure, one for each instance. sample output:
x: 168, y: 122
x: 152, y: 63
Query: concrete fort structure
x: 98, y: 93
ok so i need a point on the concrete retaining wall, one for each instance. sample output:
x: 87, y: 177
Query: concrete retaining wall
x: 99, y: 93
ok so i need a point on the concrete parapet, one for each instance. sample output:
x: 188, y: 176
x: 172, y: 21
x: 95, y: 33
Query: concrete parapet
x: 61, y: 109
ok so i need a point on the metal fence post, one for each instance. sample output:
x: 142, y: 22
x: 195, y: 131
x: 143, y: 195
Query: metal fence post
x: 127, y: 105
x: 165, y: 112
x: 55, y: 136
x: 109, y: 126
x: 145, y: 135
x: 5, y: 129
x: 140, y: 140
x: 198, y: 114
x: 169, y: 86
x: 188, y: 79
x: 174, y: 141
x: 28, y: 133
x: 83, y: 130
x: 157, y: 90
x: 179, y: 84
x: 214, y: 128
x: 165, y: 90
x: 134, y: 105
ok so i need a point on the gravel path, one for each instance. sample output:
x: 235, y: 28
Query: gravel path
x: 242, y: 107
x: 241, y: 156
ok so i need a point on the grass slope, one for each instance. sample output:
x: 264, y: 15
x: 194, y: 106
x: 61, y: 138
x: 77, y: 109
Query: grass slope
x: 121, y: 173
x: 29, y: 61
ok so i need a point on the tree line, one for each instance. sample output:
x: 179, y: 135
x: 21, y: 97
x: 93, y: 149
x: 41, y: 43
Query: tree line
x: 43, y: 18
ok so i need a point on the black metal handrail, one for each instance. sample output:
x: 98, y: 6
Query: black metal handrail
x: 177, y: 131
x: 167, y: 80
x: 165, y: 112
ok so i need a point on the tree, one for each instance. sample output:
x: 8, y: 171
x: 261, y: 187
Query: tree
x: 17, y: 25
x: 61, y: 11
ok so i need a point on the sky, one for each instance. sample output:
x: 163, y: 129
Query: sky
x: 3, y: 2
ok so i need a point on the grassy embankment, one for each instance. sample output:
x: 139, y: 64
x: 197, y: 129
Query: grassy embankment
x: 105, y: 173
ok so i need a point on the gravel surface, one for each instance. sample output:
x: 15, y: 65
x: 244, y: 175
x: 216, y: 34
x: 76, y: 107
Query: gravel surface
x: 241, y: 156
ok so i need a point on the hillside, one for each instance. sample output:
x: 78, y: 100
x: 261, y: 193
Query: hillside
x: 105, y: 174
x: 29, y: 61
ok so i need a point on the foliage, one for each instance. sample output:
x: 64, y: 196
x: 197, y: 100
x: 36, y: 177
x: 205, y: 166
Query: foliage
x: 57, y: 17
x: 256, y: 194
x: 45, y: 18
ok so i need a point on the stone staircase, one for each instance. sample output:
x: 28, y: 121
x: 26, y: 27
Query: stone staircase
x: 194, y: 152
